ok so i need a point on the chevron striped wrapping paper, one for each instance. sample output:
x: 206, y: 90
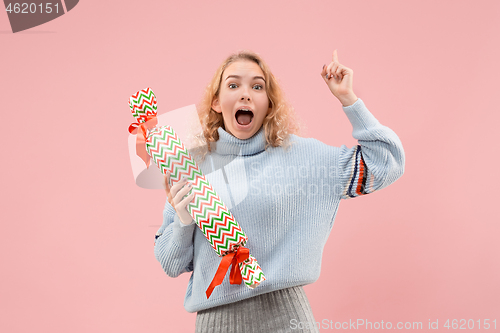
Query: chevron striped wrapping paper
x: 208, y: 211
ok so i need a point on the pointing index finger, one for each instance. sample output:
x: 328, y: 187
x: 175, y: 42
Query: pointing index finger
x: 335, y: 57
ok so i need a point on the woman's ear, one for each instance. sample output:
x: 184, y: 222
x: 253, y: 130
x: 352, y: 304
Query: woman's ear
x: 216, y: 106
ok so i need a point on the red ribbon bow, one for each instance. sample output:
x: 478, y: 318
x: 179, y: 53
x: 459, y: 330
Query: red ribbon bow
x: 141, y: 130
x: 233, y: 258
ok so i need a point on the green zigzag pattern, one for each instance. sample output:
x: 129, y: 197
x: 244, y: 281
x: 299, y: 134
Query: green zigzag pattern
x: 138, y: 106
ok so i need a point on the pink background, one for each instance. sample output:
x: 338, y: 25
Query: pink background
x: 77, y: 233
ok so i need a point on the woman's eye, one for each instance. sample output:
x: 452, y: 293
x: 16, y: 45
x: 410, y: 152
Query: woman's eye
x: 259, y: 86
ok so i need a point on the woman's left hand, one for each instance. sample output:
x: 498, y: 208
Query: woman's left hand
x: 339, y: 80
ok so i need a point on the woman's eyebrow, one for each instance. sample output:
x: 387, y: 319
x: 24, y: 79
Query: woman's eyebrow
x: 239, y: 77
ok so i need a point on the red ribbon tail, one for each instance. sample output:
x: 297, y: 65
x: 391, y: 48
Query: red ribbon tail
x: 235, y: 276
x: 233, y: 258
x: 221, y: 272
x: 140, y: 145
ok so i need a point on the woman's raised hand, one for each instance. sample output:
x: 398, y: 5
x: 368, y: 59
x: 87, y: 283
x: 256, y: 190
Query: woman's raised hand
x: 175, y: 197
x: 339, y: 79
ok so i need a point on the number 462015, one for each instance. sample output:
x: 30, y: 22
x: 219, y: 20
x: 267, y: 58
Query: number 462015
x: 16, y: 8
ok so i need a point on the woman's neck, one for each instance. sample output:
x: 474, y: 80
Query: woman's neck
x: 231, y: 145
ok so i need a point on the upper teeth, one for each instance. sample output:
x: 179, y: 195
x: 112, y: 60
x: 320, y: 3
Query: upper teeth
x: 245, y: 110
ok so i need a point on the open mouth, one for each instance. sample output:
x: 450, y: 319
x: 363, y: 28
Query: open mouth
x: 244, y: 116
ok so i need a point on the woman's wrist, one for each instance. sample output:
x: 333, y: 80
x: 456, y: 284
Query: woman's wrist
x: 348, y: 100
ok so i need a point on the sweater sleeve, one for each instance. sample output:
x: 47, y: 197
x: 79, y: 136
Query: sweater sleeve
x: 376, y: 162
x: 173, y: 245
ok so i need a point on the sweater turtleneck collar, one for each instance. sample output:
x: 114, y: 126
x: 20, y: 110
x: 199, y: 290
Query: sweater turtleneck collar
x: 231, y: 145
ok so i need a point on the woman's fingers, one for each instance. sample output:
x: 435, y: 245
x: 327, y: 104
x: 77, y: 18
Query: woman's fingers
x: 167, y: 189
x: 334, y: 69
x: 324, y: 72
x: 335, y: 57
x: 339, y: 71
x: 176, y: 198
x: 181, y: 189
x: 329, y: 70
x: 181, y: 203
x: 167, y: 183
x: 174, y: 189
x: 186, y: 200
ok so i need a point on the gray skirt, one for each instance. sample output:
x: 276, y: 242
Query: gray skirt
x: 285, y: 310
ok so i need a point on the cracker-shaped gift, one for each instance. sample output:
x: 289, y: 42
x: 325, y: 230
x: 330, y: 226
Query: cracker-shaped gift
x: 219, y: 226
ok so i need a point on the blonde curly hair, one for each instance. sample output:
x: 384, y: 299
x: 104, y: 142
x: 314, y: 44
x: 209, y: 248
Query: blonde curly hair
x: 279, y: 123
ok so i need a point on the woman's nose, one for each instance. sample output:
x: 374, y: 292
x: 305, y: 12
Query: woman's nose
x: 245, y: 94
